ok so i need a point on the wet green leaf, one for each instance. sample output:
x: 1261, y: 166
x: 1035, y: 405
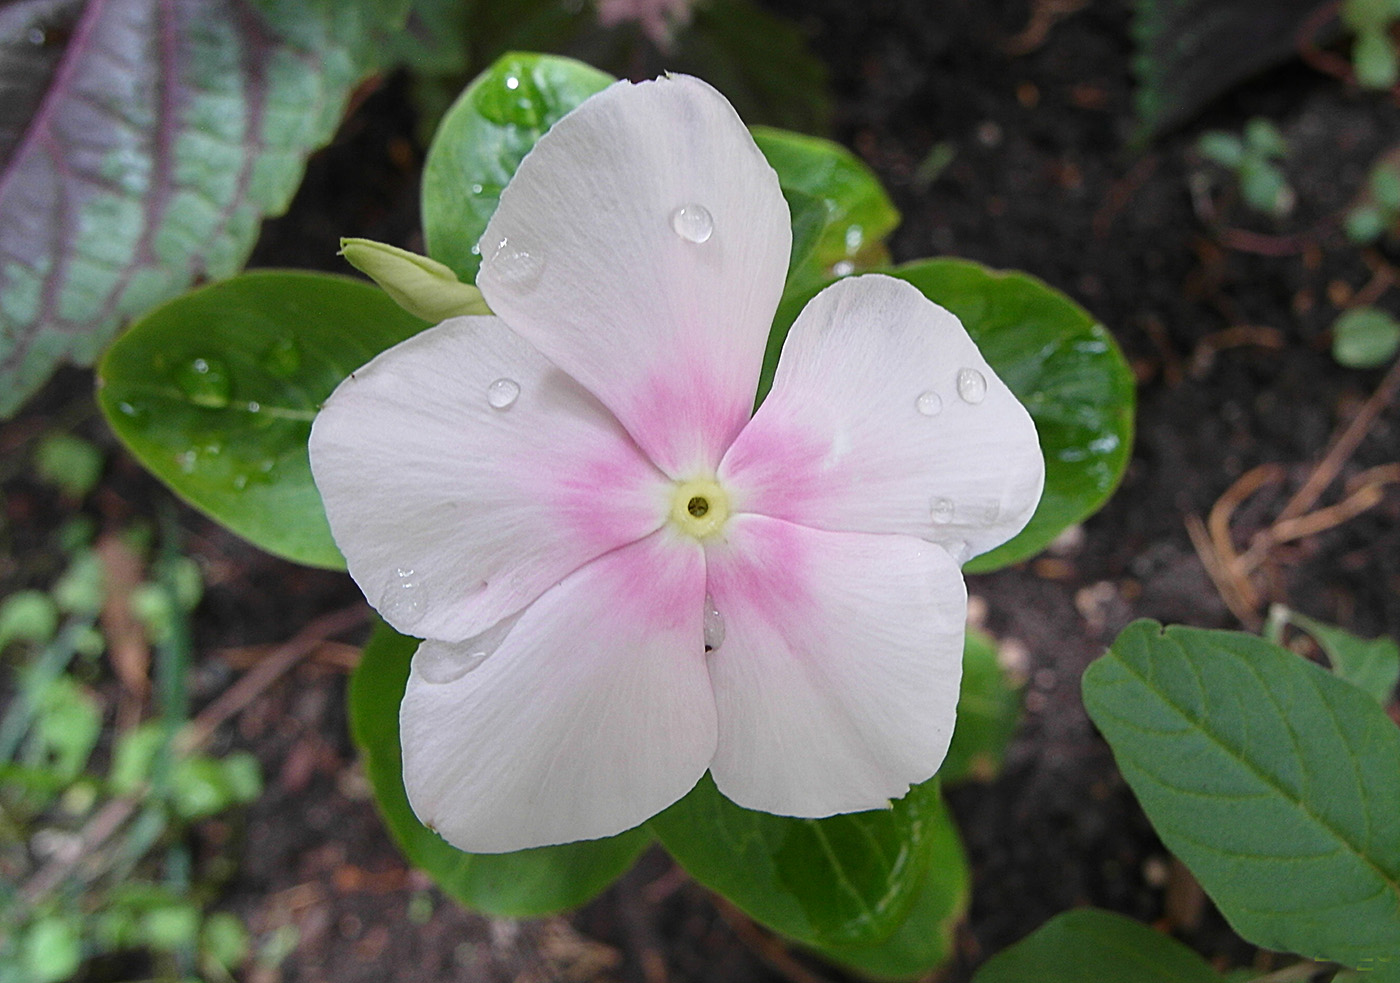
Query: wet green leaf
x: 1273, y: 780
x: 215, y: 393
x: 483, y: 138
x: 924, y: 940
x: 1092, y: 946
x: 530, y: 882
x: 855, y: 213
x: 844, y: 881
x: 1067, y: 370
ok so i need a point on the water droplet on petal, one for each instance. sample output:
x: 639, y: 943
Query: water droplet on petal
x: 940, y: 510
x: 972, y: 385
x: 515, y: 267
x: 714, y: 625
x: 693, y: 223
x: 206, y: 382
x: 282, y: 358
x: 443, y: 662
x: 401, y: 603
x: 960, y: 551
x: 929, y: 403
x: 502, y: 393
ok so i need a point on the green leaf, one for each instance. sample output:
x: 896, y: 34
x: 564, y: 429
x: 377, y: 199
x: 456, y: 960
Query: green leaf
x: 1088, y: 945
x: 1067, y: 370
x: 1365, y: 338
x: 924, y: 940
x: 70, y: 463
x: 1366, y: 223
x: 856, y: 213
x: 483, y: 138
x: 844, y: 881
x: 1383, y: 184
x: 1372, y: 665
x: 511, y: 885
x: 51, y: 949
x: 169, y: 129
x: 1374, y: 59
x: 215, y: 393
x: 988, y: 708
x: 1273, y: 780
x: 1223, y: 148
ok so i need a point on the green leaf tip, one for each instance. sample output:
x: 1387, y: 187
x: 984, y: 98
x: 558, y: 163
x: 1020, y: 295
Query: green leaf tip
x: 424, y: 287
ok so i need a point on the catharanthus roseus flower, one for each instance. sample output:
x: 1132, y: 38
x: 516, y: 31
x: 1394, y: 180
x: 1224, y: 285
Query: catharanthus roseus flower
x: 624, y: 580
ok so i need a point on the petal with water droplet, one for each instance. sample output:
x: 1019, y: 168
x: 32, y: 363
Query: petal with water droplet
x: 837, y: 682
x: 487, y: 501
x: 686, y: 307
x: 841, y: 442
x: 529, y: 748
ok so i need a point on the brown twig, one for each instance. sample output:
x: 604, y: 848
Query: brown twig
x: 1310, y: 52
x: 767, y: 948
x: 1215, y: 569
x: 1343, y: 447
x: 267, y: 672
x: 1045, y: 14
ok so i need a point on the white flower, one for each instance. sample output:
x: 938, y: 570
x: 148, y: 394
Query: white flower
x: 624, y: 580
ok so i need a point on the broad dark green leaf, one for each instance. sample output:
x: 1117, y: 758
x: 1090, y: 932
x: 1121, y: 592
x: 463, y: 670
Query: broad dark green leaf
x: 168, y: 130
x: 924, y: 940
x: 1092, y: 946
x: 1370, y: 664
x: 515, y: 885
x: 1191, y: 51
x: 483, y: 138
x: 1273, y: 780
x: 1067, y: 370
x: 855, y: 214
x: 215, y: 393
x: 844, y: 881
x: 988, y: 708
x: 840, y: 213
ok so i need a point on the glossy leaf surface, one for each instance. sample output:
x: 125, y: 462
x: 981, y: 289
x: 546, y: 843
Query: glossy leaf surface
x: 483, y: 138
x: 847, y: 880
x: 215, y: 393
x: 514, y: 885
x: 1067, y: 370
x: 1273, y: 780
x: 924, y: 940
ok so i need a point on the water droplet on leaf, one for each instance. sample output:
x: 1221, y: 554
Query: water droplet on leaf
x: 714, y: 625
x: 972, y: 385
x: 206, y: 382
x: 929, y: 403
x: 940, y: 510
x: 693, y: 223
x: 503, y: 393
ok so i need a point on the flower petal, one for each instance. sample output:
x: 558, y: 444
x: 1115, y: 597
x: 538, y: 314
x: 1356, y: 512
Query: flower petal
x: 592, y: 715
x: 885, y: 418
x: 463, y: 475
x: 837, y: 679
x: 642, y: 247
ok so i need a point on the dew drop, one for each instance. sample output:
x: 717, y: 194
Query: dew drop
x: 960, y: 551
x: 512, y: 82
x: 693, y: 223
x: 187, y: 461
x: 476, y: 190
x: 443, y: 662
x: 36, y: 36
x: 254, y: 406
x: 855, y: 238
x: 929, y: 403
x: 714, y: 625
x: 972, y: 385
x: 282, y: 358
x: 240, y: 482
x: 515, y: 267
x: 128, y: 409
x: 503, y: 393
x: 843, y: 268
x: 940, y: 510
x: 401, y: 603
x: 206, y: 382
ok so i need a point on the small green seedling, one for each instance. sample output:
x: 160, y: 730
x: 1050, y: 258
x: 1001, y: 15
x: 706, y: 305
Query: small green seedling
x: 1252, y: 157
x: 1365, y: 338
x: 1373, y: 54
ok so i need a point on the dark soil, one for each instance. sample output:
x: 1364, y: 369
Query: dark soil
x: 1041, y: 179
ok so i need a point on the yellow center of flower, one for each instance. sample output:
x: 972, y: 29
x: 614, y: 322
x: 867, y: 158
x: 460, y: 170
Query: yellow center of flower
x: 699, y: 507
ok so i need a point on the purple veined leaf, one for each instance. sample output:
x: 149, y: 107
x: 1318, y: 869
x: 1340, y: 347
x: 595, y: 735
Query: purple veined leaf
x: 141, y: 144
